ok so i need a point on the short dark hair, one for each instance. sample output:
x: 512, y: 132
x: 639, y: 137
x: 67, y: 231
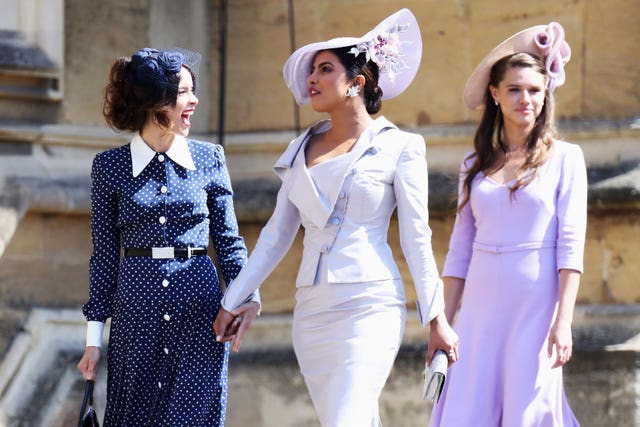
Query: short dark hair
x: 140, y: 88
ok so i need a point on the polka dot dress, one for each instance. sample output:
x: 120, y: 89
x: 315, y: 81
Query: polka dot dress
x: 164, y: 366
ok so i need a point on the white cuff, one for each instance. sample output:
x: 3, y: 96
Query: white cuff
x: 94, y: 333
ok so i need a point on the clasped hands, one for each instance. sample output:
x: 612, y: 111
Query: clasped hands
x: 232, y: 325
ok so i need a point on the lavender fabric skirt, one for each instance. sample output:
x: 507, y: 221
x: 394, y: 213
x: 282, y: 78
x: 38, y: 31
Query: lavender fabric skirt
x: 504, y: 375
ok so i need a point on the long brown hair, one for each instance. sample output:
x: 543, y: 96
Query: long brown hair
x: 488, y: 141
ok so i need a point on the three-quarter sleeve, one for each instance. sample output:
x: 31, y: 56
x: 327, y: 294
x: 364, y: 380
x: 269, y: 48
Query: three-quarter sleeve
x: 571, y: 208
x: 273, y: 243
x: 411, y: 188
x: 464, y: 231
x: 105, y: 258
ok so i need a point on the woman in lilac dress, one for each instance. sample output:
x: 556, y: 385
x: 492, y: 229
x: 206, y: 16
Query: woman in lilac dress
x: 515, y: 256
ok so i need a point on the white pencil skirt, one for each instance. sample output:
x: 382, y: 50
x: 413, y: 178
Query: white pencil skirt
x: 346, y: 337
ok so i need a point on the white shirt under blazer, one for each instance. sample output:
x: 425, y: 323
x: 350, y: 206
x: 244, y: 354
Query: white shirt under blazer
x: 348, y: 227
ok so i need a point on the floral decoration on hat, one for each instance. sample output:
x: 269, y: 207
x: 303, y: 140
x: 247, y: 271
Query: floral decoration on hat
x: 556, y: 53
x: 385, y: 50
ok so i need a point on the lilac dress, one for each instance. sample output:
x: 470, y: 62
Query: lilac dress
x: 509, y: 251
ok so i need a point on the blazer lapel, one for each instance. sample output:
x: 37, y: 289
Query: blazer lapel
x: 302, y: 191
x: 287, y: 158
x: 304, y: 194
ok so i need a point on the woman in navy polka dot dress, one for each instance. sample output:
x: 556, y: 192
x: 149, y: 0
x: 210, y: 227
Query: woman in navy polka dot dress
x: 155, y: 203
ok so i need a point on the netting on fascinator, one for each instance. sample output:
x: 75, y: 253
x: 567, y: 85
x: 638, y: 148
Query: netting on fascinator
x: 191, y: 60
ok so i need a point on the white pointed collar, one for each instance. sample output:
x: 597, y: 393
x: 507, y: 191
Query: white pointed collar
x: 142, y: 154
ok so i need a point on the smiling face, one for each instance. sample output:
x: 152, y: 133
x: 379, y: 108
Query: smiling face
x: 327, y: 81
x: 180, y: 114
x: 521, y: 96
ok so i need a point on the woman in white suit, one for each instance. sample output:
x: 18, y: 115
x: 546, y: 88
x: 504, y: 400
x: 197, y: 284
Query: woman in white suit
x: 341, y: 180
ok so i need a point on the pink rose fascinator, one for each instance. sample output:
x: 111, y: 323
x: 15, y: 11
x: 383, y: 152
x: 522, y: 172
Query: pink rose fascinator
x: 545, y: 41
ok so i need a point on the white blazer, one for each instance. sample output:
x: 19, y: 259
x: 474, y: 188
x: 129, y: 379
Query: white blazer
x: 349, y: 228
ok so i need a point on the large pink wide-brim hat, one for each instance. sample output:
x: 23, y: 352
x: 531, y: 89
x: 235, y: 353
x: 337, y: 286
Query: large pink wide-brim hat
x: 545, y: 41
x: 298, y: 67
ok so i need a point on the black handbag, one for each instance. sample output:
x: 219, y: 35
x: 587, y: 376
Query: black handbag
x: 88, y: 416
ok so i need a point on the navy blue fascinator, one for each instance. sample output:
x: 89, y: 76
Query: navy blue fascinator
x: 157, y: 69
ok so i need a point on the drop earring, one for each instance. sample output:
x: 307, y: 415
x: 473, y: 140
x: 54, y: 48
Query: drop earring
x: 353, y: 91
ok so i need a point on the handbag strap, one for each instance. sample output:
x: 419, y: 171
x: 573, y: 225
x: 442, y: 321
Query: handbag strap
x: 86, y: 400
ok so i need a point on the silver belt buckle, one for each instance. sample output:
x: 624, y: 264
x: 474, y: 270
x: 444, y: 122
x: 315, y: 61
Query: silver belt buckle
x: 162, y: 253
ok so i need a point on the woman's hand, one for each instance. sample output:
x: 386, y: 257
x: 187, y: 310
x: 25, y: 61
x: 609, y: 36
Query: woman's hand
x: 442, y: 336
x: 89, y: 363
x: 560, y: 332
x: 560, y: 337
x: 245, y: 313
x: 232, y: 325
x: 223, y: 325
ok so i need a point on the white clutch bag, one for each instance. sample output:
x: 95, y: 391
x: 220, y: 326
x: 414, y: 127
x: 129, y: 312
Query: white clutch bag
x: 434, y: 377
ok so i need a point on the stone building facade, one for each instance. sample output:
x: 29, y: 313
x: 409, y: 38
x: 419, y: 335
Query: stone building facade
x: 54, y: 59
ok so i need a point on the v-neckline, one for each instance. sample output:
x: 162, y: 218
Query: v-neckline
x: 494, y: 182
x: 304, y: 152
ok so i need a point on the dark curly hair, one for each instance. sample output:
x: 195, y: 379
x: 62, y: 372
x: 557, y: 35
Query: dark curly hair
x: 358, y: 65
x: 141, y: 87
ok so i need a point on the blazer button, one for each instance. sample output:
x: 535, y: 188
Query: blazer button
x: 335, y: 220
x: 342, y: 195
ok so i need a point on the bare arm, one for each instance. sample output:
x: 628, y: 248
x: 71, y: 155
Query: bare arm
x: 453, y: 287
x: 560, y: 332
